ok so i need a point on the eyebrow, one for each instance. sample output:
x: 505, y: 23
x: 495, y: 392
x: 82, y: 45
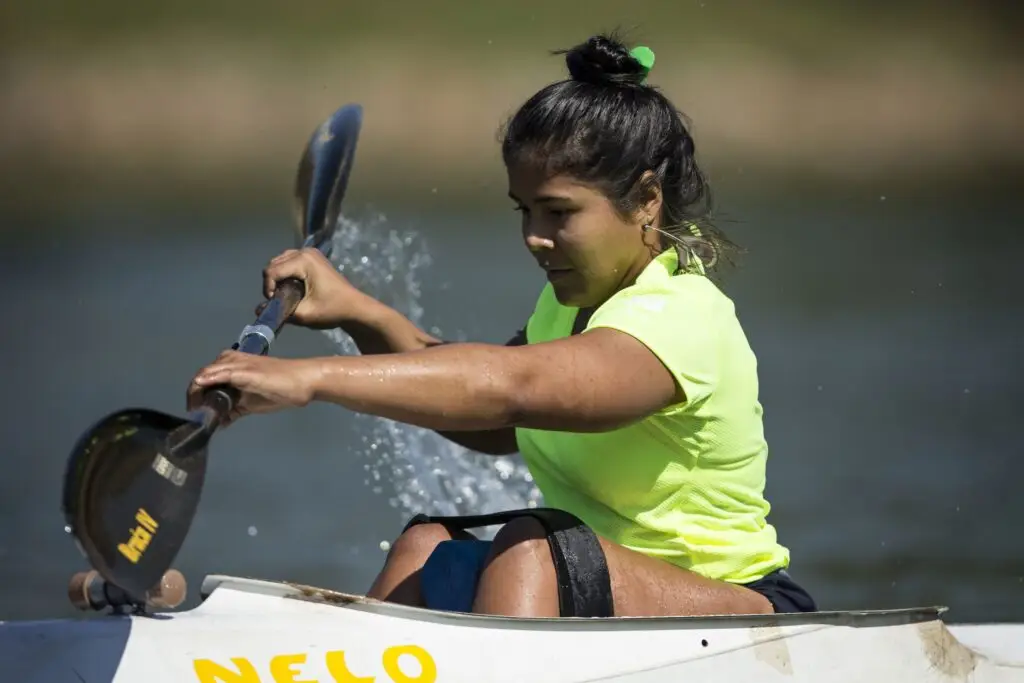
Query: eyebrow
x: 543, y: 199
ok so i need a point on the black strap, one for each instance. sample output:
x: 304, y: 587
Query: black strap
x: 581, y: 569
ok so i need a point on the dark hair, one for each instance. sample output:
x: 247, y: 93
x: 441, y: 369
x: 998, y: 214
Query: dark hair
x: 606, y: 127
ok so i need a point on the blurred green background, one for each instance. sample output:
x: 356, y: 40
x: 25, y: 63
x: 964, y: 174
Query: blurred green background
x: 867, y: 156
x: 195, y: 101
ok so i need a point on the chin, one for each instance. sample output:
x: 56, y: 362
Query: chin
x: 573, y: 297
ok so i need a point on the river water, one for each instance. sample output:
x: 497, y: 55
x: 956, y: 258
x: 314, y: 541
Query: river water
x: 888, y: 338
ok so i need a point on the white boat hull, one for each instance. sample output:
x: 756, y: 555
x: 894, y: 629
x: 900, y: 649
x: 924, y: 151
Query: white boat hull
x: 256, y: 631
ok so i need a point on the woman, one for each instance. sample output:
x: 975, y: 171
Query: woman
x: 631, y: 393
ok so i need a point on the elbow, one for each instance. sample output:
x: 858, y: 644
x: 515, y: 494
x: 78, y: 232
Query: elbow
x: 530, y: 399
x: 496, y: 393
x: 534, y: 399
x: 509, y: 391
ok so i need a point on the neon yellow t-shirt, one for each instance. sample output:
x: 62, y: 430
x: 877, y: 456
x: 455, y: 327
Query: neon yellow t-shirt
x: 685, y: 484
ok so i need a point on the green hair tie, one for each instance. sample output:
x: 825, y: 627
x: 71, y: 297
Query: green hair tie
x: 645, y: 56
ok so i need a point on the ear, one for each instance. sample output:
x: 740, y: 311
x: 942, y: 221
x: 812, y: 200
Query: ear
x: 649, y: 199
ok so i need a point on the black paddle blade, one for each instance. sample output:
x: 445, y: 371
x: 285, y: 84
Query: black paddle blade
x: 128, y: 500
x: 323, y: 174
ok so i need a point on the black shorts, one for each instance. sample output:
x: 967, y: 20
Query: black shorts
x: 783, y: 593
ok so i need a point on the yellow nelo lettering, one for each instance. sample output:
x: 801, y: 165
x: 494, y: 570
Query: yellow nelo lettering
x: 282, y: 671
x: 428, y: 669
x: 339, y: 669
x: 208, y: 671
x: 284, y: 668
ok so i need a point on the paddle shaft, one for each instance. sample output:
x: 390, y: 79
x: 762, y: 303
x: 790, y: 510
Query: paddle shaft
x: 257, y: 338
x: 133, y: 481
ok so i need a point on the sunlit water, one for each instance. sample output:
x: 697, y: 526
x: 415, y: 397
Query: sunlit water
x: 424, y: 471
x: 891, y: 401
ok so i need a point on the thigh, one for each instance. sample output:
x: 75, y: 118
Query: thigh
x: 647, y: 586
x: 399, y: 580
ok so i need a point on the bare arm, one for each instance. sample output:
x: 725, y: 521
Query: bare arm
x: 593, y: 382
x: 382, y: 329
x: 385, y: 330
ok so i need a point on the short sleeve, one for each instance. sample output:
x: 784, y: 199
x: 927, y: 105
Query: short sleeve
x: 678, y: 319
x: 519, y: 338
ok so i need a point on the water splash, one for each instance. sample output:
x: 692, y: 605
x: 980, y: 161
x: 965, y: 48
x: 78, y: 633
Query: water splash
x: 426, y: 472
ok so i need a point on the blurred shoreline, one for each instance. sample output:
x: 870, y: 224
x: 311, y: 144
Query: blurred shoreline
x: 187, y: 117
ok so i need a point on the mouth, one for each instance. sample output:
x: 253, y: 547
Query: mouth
x: 555, y: 273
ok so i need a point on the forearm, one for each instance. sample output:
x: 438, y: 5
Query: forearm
x: 385, y: 330
x: 382, y: 329
x: 437, y: 388
x: 474, y: 387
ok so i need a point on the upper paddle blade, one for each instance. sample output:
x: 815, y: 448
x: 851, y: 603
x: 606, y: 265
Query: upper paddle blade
x: 323, y: 174
x: 128, y: 501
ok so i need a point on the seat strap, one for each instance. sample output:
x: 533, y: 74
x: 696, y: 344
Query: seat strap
x: 581, y: 569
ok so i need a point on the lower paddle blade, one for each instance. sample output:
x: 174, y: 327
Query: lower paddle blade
x: 128, y: 500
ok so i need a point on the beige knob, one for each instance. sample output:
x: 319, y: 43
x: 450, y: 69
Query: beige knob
x: 169, y: 592
x: 89, y: 591
x: 78, y: 588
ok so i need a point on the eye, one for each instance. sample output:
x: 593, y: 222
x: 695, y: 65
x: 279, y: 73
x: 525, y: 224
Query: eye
x: 561, y: 213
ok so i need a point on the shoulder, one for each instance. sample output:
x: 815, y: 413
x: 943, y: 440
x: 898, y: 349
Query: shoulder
x: 673, y: 301
x: 682, y: 319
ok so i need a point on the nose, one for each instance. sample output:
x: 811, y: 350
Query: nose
x: 537, y: 243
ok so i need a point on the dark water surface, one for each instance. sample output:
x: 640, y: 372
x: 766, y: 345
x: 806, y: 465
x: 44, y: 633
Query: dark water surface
x: 888, y: 337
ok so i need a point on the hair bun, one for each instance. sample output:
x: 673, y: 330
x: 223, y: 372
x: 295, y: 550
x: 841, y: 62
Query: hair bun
x: 605, y: 60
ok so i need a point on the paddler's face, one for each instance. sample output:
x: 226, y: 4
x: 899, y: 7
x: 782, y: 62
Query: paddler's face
x: 587, y: 249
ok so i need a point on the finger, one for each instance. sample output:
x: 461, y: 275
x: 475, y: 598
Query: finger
x: 268, y: 285
x: 192, y: 395
x: 284, y: 255
x: 290, y: 266
x: 216, y: 374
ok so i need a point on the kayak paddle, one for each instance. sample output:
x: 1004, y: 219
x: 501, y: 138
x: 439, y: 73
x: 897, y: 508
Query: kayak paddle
x: 133, y: 481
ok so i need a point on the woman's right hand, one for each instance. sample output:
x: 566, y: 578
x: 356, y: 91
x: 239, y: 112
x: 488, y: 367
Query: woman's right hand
x: 330, y: 299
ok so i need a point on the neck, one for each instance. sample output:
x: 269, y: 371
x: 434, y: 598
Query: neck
x: 639, y: 265
x: 629, y: 277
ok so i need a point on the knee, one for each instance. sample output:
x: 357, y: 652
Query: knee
x: 523, y: 542
x: 418, y: 542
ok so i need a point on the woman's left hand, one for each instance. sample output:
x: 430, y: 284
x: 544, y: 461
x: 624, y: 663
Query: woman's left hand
x: 266, y: 384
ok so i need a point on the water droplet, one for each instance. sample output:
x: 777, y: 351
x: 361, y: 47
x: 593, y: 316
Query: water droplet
x: 252, y: 531
x: 67, y: 529
x: 423, y: 471
x: 385, y: 546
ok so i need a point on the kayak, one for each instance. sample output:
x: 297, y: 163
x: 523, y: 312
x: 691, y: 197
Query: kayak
x: 255, y: 631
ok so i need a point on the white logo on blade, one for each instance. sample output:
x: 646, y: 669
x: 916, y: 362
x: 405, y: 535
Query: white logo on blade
x: 166, y: 469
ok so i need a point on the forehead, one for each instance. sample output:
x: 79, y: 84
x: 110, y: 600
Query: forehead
x: 528, y: 182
